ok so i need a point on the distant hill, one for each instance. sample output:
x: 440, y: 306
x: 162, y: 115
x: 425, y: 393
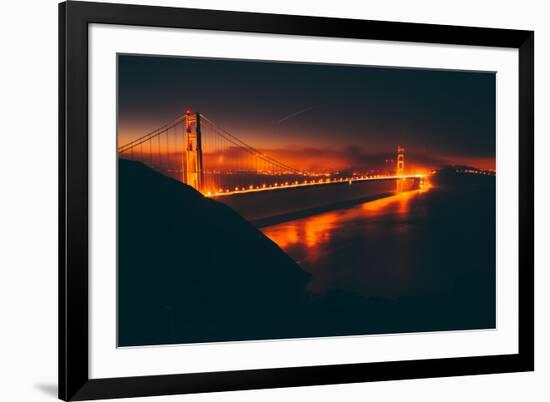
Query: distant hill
x: 191, y: 269
x: 458, y: 167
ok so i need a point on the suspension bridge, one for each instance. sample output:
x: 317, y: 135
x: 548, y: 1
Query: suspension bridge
x: 198, y: 152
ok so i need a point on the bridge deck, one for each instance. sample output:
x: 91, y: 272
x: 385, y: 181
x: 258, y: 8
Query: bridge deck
x: 264, y: 208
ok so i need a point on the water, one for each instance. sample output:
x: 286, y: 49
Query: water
x: 438, y: 244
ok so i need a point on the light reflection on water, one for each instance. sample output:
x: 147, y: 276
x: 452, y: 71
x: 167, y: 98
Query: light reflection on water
x: 368, y: 248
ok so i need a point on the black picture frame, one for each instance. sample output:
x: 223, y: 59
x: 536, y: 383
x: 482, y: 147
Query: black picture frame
x: 74, y: 381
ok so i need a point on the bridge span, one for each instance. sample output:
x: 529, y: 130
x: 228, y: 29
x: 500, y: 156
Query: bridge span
x: 196, y: 151
x: 265, y: 209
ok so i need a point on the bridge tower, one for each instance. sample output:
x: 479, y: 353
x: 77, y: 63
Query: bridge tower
x: 400, y: 161
x: 400, y: 173
x: 192, y: 160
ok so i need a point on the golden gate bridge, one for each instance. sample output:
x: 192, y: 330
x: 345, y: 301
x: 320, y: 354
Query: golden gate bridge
x: 196, y: 151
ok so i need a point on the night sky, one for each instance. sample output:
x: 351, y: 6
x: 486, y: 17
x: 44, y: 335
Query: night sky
x: 324, y: 112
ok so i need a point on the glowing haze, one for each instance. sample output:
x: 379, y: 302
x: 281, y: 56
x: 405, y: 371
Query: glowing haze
x: 318, y: 116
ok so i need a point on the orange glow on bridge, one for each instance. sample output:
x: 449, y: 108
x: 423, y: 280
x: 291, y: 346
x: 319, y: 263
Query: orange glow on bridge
x: 312, y: 182
x: 196, y: 151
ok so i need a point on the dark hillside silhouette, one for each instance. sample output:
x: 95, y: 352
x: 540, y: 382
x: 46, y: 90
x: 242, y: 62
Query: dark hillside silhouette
x: 190, y: 269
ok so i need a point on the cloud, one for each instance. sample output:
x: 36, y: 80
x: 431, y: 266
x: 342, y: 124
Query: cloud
x: 350, y: 157
x: 323, y: 159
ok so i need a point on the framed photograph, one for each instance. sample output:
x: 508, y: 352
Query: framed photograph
x: 256, y: 200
